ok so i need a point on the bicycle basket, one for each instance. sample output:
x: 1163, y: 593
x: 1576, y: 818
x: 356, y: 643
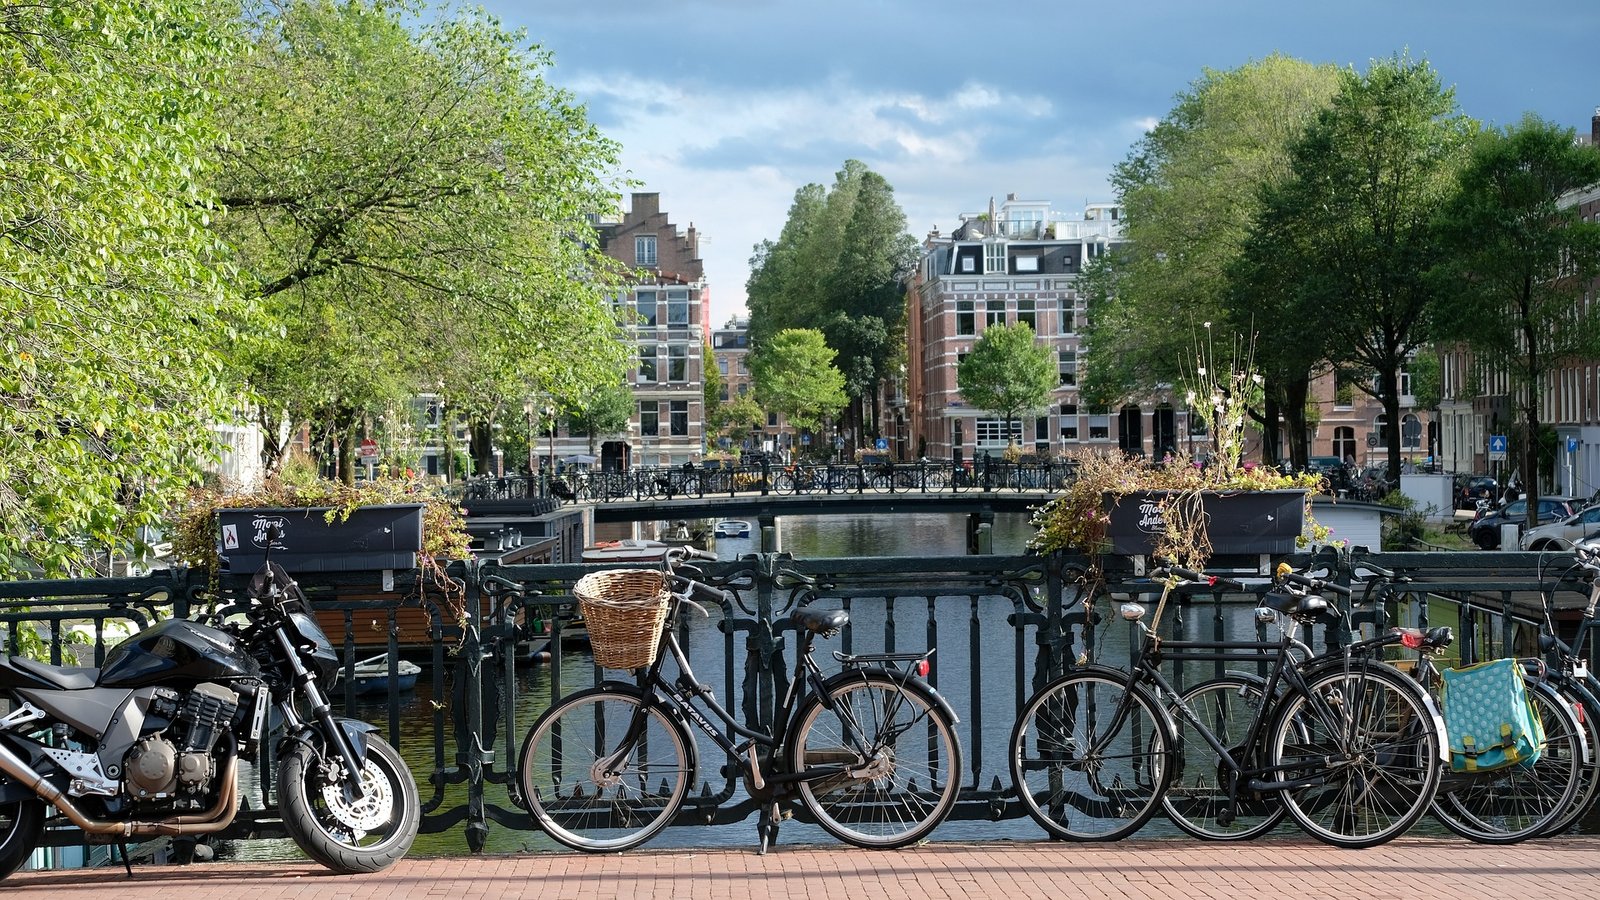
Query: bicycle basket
x: 624, y: 610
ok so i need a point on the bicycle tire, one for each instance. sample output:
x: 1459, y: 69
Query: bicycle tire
x: 1110, y: 792
x: 785, y: 484
x: 913, y: 774
x: 1589, y: 773
x: 1378, y: 724
x: 1514, y: 803
x: 1196, y: 798
x: 603, y: 812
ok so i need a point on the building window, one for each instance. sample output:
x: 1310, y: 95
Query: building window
x: 722, y: 393
x: 994, y: 313
x: 1069, y: 421
x: 968, y: 264
x: 1099, y: 423
x: 1344, y: 443
x: 1068, y: 366
x: 647, y: 309
x: 644, y: 250
x: 680, y: 418
x: 722, y: 365
x: 994, y: 258
x: 1027, y: 264
x: 1344, y: 392
x: 677, y: 362
x: 966, y: 320
x: 649, y: 418
x: 1410, y: 432
x: 647, y: 364
x: 772, y: 420
x: 1041, y: 434
x: 996, y: 432
x: 677, y: 309
x: 1026, y: 314
x: 1069, y: 315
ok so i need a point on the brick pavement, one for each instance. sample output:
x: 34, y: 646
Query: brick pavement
x: 1407, y: 868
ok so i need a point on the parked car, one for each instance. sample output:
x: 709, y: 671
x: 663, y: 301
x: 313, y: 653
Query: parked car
x: 1564, y: 534
x: 1485, y: 530
x: 1472, y: 488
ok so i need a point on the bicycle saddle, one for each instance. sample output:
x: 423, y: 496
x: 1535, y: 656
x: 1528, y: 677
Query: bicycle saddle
x: 1308, y: 606
x: 821, y: 621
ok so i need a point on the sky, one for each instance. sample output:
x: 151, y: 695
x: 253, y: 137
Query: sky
x: 728, y: 107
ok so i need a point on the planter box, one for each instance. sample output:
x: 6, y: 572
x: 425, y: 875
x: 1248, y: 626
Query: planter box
x: 372, y: 538
x: 1248, y: 522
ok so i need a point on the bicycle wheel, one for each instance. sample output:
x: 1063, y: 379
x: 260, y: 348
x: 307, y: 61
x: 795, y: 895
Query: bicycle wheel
x: 784, y: 484
x: 1090, y: 756
x: 896, y: 751
x: 586, y: 789
x: 1517, y: 802
x: 1197, y: 799
x: 1588, y: 712
x: 1361, y: 753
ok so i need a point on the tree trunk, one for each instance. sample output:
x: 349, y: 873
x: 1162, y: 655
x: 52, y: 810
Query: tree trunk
x: 482, y: 436
x: 1295, y: 391
x: 1530, y: 415
x: 1269, y: 430
x: 1391, y: 421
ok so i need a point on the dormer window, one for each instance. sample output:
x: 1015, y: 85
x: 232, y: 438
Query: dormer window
x: 994, y: 258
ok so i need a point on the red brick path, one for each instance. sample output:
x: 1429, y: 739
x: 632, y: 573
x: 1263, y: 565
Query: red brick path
x: 1282, y: 870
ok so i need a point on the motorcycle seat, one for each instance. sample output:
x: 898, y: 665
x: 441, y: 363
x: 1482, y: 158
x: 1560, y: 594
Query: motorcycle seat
x: 67, y: 678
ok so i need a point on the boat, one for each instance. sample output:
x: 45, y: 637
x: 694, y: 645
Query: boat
x: 733, y: 528
x: 372, y: 675
x: 626, y: 550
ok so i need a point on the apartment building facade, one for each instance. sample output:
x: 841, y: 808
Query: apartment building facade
x: 1018, y: 262
x: 673, y: 303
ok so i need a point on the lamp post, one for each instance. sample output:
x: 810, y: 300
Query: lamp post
x: 527, y: 410
x: 550, y: 413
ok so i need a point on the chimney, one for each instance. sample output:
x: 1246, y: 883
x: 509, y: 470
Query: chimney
x: 645, y: 205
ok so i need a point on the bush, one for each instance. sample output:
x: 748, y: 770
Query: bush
x: 1404, y: 530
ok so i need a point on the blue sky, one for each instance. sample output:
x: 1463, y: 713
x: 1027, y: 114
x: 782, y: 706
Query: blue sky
x: 726, y: 107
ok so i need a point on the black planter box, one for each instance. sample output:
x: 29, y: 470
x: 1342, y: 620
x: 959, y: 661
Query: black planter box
x: 1247, y: 522
x: 372, y: 538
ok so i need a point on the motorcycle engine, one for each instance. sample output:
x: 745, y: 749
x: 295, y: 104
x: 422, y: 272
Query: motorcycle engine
x: 177, y: 761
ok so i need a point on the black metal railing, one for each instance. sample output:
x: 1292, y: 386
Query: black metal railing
x: 498, y: 645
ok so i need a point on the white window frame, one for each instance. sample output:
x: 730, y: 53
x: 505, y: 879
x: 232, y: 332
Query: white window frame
x: 644, y: 250
x: 994, y: 257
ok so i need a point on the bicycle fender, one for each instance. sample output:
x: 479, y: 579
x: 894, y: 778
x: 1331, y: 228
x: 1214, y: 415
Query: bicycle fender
x: 913, y: 684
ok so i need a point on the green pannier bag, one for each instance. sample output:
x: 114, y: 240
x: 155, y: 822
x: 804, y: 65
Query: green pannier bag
x: 1490, y: 721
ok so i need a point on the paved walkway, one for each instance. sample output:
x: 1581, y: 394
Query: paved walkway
x: 1407, y: 868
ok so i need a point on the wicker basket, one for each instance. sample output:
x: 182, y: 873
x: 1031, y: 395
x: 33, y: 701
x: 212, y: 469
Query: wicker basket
x: 624, y: 610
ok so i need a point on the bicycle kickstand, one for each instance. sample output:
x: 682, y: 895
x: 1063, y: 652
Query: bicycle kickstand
x: 767, y: 826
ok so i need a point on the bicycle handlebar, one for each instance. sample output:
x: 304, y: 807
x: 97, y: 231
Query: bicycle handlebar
x: 1290, y: 576
x: 1198, y: 577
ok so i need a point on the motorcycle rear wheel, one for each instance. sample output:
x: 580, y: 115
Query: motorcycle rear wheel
x: 21, y: 827
x: 349, y: 836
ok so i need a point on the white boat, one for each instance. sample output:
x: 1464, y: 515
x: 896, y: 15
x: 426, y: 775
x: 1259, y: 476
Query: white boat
x: 733, y: 528
x: 372, y: 675
x: 626, y: 550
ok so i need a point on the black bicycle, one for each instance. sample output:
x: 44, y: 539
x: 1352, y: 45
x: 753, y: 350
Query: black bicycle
x: 869, y: 752
x: 1347, y: 746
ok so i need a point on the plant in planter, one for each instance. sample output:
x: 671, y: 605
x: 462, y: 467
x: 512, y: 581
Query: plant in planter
x: 1178, y: 509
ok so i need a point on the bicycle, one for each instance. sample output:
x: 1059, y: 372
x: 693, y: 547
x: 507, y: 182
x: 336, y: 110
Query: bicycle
x: 1348, y: 746
x: 869, y: 752
x: 1505, y: 805
x: 1570, y: 674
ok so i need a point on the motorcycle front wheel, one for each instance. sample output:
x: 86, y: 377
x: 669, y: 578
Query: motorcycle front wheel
x: 346, y: 834
x: 21, y: 827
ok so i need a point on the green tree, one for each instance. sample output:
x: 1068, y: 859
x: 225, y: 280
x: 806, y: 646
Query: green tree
x: 601, y: 411
x: 1190, y: 191
x: 796, y: 378
x: 737, y: 418
x: 1517, y: 262
x: 1349, y: 235
x: 1007, y: 373
x: 411, y: 201
x: 110, y: 296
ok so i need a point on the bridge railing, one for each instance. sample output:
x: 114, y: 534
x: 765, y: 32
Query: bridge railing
x: 504, y: 642
x: 715, y: 479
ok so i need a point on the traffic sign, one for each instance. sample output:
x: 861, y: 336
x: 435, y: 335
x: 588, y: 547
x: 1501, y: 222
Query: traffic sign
x: 368, y: 449
x: 883, y: 443
x: 1572, y: 443
x: 1372, y: 439
x: 1497, y: 447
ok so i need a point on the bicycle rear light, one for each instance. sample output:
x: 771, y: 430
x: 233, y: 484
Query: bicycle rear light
x: 922, y: 668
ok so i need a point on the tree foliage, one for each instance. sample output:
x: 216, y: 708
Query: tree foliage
x: 838, y: 267
x: 600, y: 411
x: 1349, y: 234
x: 411, y: 201
x: 1190, y: 191
x: 1516, y: 263
x: 110, y: 295
x: 1007, y: 373
x: 796, y: 377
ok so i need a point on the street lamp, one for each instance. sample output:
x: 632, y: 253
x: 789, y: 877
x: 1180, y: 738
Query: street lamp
x: 550, y: 413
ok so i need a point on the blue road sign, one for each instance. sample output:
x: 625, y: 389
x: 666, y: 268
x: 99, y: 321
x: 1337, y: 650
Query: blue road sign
x: 1497, y: 443
x: 883, y: 443
x: 1572, y: 444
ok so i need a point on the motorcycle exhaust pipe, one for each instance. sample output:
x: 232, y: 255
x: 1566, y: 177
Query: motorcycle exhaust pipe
x: 220, y: 816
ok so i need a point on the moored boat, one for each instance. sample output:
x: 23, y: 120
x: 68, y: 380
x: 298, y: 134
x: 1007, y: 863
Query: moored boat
x: 733, y: 528
x: 372, y: 675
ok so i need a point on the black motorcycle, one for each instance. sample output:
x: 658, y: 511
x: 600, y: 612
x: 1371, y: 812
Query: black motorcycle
x: 150, y: 744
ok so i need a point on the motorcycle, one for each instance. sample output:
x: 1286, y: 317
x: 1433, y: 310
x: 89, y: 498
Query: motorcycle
x: 150, y: 743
